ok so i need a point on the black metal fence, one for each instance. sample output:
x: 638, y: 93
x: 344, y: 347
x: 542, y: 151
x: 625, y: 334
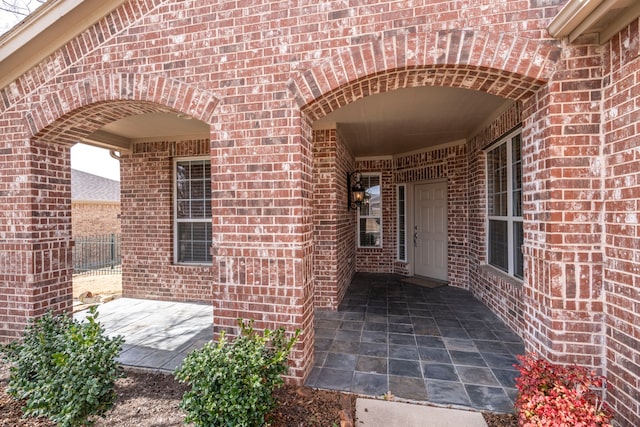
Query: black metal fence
x: 97, y: 254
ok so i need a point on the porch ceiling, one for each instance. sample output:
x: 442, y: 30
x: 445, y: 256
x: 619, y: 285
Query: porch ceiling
x: 390, y: 123
x: 119, y: 135
x: 406, y: 120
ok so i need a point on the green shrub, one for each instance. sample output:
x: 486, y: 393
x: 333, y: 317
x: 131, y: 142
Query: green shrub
x: 232, y: 383
x: 64, y: 370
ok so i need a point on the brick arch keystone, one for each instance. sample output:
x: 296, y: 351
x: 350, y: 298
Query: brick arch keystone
x: 81, y: 108
x: 505, y: 65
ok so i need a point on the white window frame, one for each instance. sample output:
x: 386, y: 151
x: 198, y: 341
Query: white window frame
x: 510, y: 218
x: 402, y: 218
x: 176, y: 220
x: 360, y: 216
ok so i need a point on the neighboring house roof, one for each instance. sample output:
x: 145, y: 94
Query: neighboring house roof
x: 86, y: 186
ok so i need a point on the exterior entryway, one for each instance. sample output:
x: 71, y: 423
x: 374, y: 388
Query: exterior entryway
x: 432, y: 344
x: 430, y: 230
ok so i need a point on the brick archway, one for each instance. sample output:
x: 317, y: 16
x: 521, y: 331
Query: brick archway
x: 87, y: 105
x: 37, y: 258
x: 503, y: 65
x: 500, y: 64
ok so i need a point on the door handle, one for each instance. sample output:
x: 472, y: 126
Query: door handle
x: 415, y: 236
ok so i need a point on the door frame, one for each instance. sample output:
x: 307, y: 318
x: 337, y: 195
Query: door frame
x: 411, y: 221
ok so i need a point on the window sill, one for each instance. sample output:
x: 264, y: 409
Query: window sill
x: 192, y: 264
x: 490, y: 270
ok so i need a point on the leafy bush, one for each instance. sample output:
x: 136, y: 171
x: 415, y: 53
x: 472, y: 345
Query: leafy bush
x: 63, y: 369
x: 232, y: 383
x: 553, y: 395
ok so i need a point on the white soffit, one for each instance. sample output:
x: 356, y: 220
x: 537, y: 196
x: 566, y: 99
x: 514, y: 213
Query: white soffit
x: 602, y: 17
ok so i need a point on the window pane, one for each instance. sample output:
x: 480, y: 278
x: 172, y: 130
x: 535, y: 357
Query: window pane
x: 372, y: 205
x: 402, y: 224
x: 497, y: 175
x: 184, y: 209
x: 516, y: 175
x: 370, y: 213
x: 370, y: 232
x: 193, y: 202
x: 194, y: 241
x: 518, y: 259
x: 197, y: 209
x: 498, y: 245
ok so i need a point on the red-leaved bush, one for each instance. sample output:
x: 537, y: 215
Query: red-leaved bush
x: 554, y: 395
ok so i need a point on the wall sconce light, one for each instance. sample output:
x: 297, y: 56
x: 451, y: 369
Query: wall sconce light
x: 355, y: 193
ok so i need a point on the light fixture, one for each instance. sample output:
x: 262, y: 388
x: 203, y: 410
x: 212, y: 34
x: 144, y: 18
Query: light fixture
x: 356, y: 192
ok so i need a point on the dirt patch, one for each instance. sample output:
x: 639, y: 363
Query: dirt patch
x: 149, y: 399
x: 107, y: 284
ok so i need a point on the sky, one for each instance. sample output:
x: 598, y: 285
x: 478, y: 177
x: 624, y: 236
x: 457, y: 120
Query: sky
x: 94, y: 160
x: 8, y: 20
x: 88, y: 159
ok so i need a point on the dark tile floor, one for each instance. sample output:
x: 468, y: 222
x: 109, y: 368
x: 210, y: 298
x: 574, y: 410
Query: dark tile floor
x: 436, y: 345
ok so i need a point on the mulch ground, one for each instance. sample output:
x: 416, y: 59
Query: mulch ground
x: 148, y: 399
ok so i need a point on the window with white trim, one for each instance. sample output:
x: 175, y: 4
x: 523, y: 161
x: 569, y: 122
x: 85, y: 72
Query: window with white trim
x: 402, y: 222
x: 192, y: 210
x: 504, y: 192
x: 370, y: 213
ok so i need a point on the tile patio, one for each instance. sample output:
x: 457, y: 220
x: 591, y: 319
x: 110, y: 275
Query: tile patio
x: 437, y: 345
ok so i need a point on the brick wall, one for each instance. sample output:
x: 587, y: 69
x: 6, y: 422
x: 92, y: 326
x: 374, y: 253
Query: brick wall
x: 35, y: 231
x: 248, y: 73
x: 95, y: 218
x: 260, y: 77
x: 621, y: 275
x: 334, y: 224
x: 148, y: 270
x: 501, y: 293
x: 562, y: 204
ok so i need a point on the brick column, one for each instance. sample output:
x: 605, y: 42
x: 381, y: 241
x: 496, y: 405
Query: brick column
x: 325, y: 218
x: 263, y: 232
x: 35, y: 233
x: 562, y: 182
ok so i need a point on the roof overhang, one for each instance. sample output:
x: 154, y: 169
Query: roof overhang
x: 44, y: 31
x: 602, y: 17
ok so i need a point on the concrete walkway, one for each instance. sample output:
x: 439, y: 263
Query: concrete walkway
x: 378, y: 413
x: 159, y: 334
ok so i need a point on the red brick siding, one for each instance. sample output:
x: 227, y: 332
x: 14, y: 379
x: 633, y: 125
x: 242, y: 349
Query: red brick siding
x: 95, y: 218
x: 148, y: 270
x: 346, y: 235
x: 562, y: 203
x: 380, y: 260
x: 499, y: 292
x: 334, y: 236
x: 150, y: 55
x: 621, y: 99
x: 35, y: 232
x: 267, y: 63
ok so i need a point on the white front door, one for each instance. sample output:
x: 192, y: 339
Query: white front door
x: 430, y: 230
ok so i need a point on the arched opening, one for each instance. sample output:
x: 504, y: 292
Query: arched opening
x: 417, y: 138
x: 410, y: 127
x: 167, y: 306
